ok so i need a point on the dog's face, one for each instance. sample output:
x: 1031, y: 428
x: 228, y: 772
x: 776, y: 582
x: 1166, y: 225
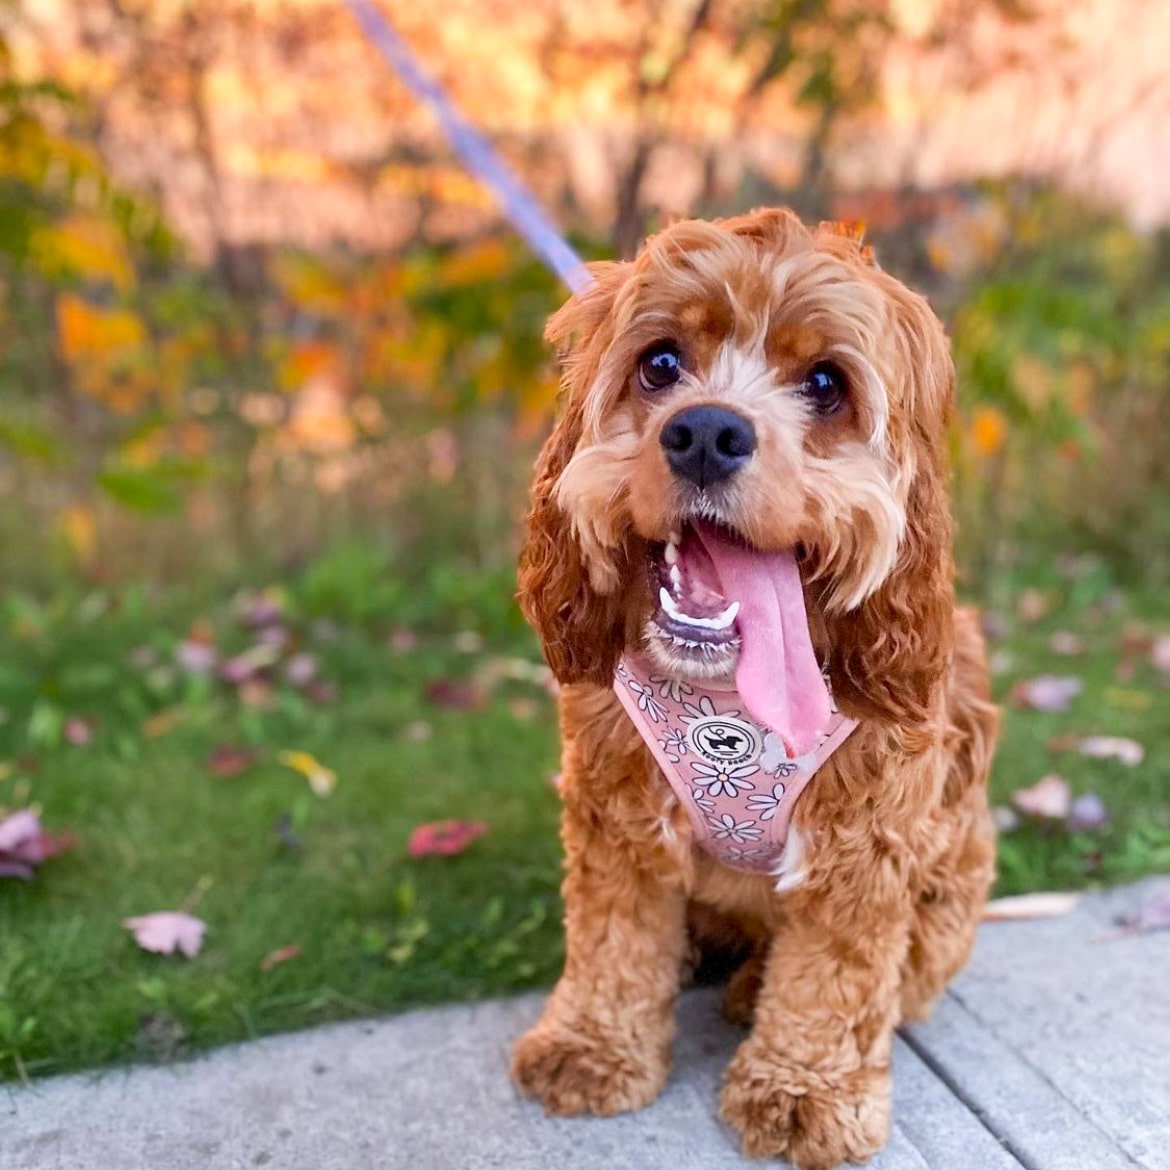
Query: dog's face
x: 748, y: 385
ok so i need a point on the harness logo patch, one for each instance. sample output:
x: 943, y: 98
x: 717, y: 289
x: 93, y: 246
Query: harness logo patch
x: 725, y: 740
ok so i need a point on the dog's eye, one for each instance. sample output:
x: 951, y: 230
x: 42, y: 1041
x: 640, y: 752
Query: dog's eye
x: 659, y: 367
x: 824, y: 387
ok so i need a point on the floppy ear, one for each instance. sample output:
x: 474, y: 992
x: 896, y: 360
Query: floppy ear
x: 889, y: 655
x: 582, y: 628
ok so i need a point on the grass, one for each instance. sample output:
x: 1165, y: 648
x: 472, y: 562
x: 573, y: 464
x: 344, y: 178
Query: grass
x: 415, y: 733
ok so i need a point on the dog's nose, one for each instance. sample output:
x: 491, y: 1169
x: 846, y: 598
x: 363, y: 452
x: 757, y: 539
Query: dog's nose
x: 707, y: 444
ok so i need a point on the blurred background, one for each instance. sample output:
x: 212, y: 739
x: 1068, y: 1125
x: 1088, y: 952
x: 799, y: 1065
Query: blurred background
x: 272, y: 384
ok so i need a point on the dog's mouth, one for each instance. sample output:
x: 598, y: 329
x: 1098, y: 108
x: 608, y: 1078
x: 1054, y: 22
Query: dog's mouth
x: 725, y: 610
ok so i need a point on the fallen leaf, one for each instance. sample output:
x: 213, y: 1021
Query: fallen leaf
x: 1087, y: 814
x: 1154, y: 908
x: 1047, y: 692
x: 301, y: 669
x: 227, y: 761
x: 1160, y: 653
x: 24, y: 844
x: 1067, y: 643
x: 402, y: 640
x: 78, y: 732
x: 1025, y: 906
x: 455, y: 694
x: 1113, y: 747
x: 244, y: 667
x: 167, y: 931
x: 161, y: 722
x: 278, y: 956
x: 1049, y: 799
x: 263, y: 608
x: 196, y: 657
x: 444, y: 838
x: 1007, y: 820
x: 257, y: 694
x: 1032, y: 605
x: 1128, y: 699
x: 322, y: 780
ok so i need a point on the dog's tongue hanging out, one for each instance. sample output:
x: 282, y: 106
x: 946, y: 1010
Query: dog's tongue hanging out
x: 778, y: 676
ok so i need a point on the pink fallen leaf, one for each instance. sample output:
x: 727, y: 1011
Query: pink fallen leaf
x: 1067, y: 643
x: 1025, y: 906
x: 1160, y: 653
x: 1047, y: 692
x: 246, y: 666
x: 1087, y: 814
x: 167, y: 931
x: 444, y: 838
x: 1049, y: 799
x: 227, y: 761
x: 78, y: 732
x: 24, y: 844
x: 1113, y: 747
x: 301, y: 669
x: 1154, y: 908
x: 278, y: 956
x: 195, y: 656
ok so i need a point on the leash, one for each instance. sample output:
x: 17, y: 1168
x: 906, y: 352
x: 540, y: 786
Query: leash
x: 474, y: 150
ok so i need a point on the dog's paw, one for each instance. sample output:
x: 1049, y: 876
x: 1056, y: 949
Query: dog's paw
x: 572, y: 1071
x: 815, y: 1121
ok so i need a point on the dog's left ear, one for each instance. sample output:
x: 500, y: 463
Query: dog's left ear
x: 889, y: 655
x: 581, y: 626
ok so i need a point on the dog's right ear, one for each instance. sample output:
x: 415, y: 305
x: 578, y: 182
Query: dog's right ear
x: 581, y: 626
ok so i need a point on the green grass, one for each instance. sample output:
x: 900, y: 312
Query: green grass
x: 376, y: 930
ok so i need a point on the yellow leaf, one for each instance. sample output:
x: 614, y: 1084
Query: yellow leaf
x: 88, y: 246
x: 321, y: 780
x: 78, y: 526
x: 988, y: 430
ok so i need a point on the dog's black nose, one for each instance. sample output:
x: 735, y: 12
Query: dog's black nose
x: 707, y: 444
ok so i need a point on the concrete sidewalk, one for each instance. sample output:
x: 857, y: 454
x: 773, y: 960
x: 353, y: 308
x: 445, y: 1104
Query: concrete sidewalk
x: 1052, y: 1052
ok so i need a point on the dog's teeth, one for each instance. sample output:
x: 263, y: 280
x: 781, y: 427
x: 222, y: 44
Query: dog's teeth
x: 676, y: 578
x: 667, y: 603
x: 671, y: 554
x: 675, y: 537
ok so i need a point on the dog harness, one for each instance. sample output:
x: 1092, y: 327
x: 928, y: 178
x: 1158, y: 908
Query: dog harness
x: 733, y: 776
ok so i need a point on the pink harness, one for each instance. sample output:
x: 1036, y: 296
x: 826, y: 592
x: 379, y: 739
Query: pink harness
x: 733, y: 776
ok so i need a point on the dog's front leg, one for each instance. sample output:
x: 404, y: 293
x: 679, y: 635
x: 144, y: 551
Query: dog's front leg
x: 812, y: 1081
x: 603, y: 1043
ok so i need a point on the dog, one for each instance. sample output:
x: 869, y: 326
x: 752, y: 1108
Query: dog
x: 743, y: 512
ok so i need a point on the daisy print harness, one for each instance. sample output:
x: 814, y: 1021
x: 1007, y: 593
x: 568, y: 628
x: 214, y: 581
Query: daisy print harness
x: 733, y: 776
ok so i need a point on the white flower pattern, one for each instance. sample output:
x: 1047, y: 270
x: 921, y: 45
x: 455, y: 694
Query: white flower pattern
x: 740, y: 811
x: 722, y: 780
x: 703, y: 709
x: 726, y: 827
x: 674, y: 743
x: 673, y: 689
x: 702, y: 800
x: 766, y: 803
x: 647, y: 702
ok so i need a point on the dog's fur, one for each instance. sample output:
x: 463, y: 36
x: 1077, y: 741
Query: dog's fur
x: 891, y: 847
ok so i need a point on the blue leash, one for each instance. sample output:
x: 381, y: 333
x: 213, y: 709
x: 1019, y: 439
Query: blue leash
x: 477, y: 154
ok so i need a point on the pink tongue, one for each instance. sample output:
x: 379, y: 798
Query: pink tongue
x: 778, y: 676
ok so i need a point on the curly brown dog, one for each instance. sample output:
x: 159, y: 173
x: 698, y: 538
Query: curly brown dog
x: 752, y: 388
